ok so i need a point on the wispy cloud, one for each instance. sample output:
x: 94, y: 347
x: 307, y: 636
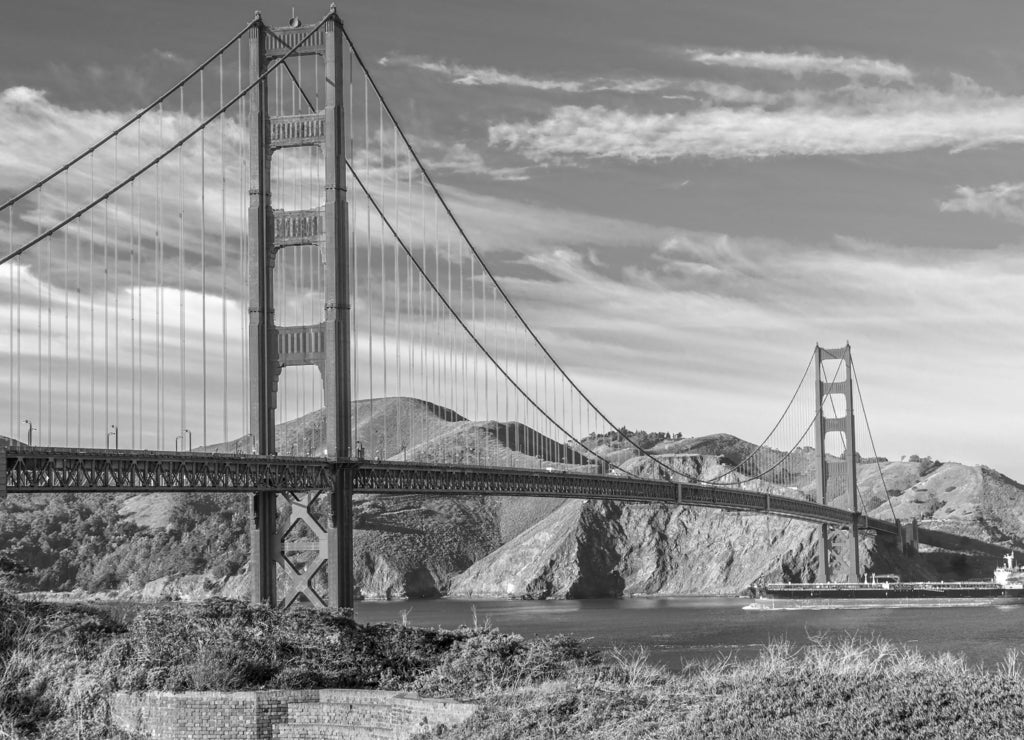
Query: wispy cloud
x: 851, y: 120
x: 460, y: 159
x: 169, y: 56
x: 798, y: 64
x: 1003, y: 200
x: 461, y: 74
x: 724, y: 92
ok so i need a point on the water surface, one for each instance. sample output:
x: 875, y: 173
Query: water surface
x: 682, y: 630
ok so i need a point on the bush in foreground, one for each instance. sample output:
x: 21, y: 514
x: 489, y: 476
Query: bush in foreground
x: 47, y: 684
x: 227, y: 645
x: 853, y: 688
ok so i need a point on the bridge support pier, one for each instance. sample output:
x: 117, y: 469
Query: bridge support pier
x: 824, y: 553
x: 340, y: 569
x: 908, y: 537
x: 836, y: 475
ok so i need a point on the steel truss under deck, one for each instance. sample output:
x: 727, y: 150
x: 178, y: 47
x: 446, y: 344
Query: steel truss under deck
x: 51, y: 470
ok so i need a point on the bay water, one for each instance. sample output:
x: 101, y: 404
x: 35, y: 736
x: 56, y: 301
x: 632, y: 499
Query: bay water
x: 678, y: 631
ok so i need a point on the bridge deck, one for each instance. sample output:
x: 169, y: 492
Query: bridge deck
x: 47, y: 470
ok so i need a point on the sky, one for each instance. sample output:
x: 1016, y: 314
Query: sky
x: 682, y: 198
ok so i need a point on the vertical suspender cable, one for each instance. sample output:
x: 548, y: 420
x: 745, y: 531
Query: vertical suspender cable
x: 398, y: 299
x: 369, y: 266
x: 421, y: 301
x: 519, y: 382
x: 411, y: 383
x: 243, y: 261
x: 202, y: 237
x: 181, y: 273
x: 48, y: 400
x: 78, y: 332
x: 449, y: 364
x: 131, y: 305
x: 160, y: 289
x: 462, y: 310
x: 106, y: 314
x: 354, y: 273
x: 67, y: 318
x: 92, y: 300
x: 116, y: 266
x: 435, y: 386
x: 410, y: 378
x: 296, y: 387
x: 487, y: 365
x: 137, y: 321
x: 383, y: 279
x: 223, y: 257
x: 508, y: 365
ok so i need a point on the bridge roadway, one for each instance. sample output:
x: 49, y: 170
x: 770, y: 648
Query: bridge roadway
x: 50, y: 470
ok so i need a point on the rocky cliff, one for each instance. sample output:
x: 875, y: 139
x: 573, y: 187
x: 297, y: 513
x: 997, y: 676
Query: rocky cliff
x: 597, y: 548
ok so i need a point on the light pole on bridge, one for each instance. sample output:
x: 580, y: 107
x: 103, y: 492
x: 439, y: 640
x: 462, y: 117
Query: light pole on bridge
x: 185, y: 433
x: 113, y: 434
x: 31, y: 428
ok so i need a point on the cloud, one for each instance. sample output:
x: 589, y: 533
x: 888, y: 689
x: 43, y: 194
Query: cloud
x: 169, y: 56
x: 463, y: 160
x: 849, y: 121
x: 461, y: 74
x: 1003, y: 200
x: 724, y: 92
x: 169, y: 205
x: 798, y: 64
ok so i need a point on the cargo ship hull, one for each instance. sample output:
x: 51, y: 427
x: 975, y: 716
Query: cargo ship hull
x: 884, y: 595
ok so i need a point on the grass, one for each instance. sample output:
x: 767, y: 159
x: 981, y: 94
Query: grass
x: 851, y: 688
x: 59, y: 663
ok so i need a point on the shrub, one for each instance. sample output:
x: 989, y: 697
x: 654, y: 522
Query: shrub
x: 227, y: 645
x: 47, y: 653
x: 491, y: 660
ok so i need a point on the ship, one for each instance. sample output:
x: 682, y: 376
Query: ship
x: 887, y: 591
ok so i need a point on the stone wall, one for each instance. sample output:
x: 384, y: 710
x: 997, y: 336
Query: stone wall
x: 283, y: 714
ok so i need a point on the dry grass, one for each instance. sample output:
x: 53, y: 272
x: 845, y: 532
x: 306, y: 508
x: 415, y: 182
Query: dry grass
x: 849, y: 688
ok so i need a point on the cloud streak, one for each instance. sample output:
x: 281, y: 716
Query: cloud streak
x: 852, y: 121
x: 461, y: 74
x: 724, y: 92
x: 1003, y: 200
x: 462, y: 160
x: 798, y: 64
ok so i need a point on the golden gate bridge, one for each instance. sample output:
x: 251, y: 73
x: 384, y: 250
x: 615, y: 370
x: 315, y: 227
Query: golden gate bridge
x: 262, y: 246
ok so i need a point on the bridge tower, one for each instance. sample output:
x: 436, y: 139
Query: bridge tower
x: 836, y: 479
x: 325, y: 345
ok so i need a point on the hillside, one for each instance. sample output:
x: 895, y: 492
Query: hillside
x: 592, y: 548
x: 160, y: 545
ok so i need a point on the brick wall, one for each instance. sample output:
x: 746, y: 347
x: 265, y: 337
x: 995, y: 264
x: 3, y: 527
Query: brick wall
x: 279, y: 714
